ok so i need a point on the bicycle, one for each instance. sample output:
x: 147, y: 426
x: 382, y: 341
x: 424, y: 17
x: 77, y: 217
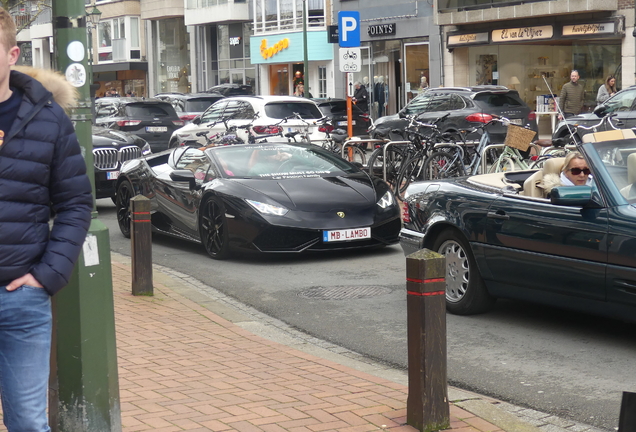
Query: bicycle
x: 421, y: 147
x: 460, y: 159
x: 335, y: 140
x: 511, y: 158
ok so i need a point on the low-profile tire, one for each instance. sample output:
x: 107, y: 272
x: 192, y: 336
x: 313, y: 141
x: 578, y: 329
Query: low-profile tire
x: 125, y: 192
x: 214, y: 230
x: 466, y: 293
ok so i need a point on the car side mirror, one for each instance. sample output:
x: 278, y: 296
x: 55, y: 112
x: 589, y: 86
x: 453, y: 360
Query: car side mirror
x: 575, y: 196
x: 401, y: 114
x: 600, y: 110
x: 196, y: 120
x: 183, y: 176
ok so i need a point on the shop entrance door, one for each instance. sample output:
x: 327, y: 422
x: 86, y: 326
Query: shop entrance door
x: 279, y: 80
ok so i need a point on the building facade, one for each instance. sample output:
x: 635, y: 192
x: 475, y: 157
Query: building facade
x: 401, y: 51
x: 278, y: 47
x: 533, y: 46
x: 219, y: 32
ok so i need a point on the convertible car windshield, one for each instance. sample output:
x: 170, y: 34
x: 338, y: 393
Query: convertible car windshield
x: 619, y: 158
x: 279, y: 161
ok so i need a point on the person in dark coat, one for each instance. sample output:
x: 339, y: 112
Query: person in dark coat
x: 361, y: 97
x: 41, y: 171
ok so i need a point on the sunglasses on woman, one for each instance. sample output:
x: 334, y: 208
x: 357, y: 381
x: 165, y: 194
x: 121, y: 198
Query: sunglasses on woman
x: 577, y: 171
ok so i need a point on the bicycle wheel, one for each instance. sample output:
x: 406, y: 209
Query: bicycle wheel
x: 410, y: 171
x: 503, y: 164
x: 441, y: 165
x: 393, y: 160
x: 355, y: 155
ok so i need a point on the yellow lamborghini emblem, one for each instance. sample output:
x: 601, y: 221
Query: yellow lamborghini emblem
x: 341, y: 214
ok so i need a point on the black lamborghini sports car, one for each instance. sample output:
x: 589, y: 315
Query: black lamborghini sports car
x: 269, y: 197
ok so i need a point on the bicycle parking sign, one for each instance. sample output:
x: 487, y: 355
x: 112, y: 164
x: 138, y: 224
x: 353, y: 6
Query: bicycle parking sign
x: 350, y: 60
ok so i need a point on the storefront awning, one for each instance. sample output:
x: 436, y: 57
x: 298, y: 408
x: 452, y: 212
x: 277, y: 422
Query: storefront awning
x: 120, y: 66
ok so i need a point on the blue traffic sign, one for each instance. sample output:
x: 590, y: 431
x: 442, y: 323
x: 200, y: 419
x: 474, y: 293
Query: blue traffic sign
x: 349, y: 29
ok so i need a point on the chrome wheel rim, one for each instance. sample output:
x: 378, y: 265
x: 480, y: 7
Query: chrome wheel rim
x: 457, y: 270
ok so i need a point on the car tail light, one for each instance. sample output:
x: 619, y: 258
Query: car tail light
x: 365, y: 117
x: 479, y: 118
x: 122, y: 123
x: 534, y: 158
x: 406, y: 216
x: 178, y: 122
x: 267, y: 130
x: 187, y: 117
x: 327, y: 128
x: 532, y: 116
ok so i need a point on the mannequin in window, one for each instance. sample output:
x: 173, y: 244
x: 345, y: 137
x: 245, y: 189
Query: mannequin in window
x: 378, y: 93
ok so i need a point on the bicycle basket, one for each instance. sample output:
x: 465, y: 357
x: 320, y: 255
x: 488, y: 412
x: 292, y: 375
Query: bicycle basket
x: 519, y: 137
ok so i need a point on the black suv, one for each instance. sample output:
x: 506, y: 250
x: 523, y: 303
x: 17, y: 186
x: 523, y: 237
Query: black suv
x: 622, y: 105
x: 189, y: 105
x: 111, y: 148
x: 153, y: 120
x: 231, y: 89
x: 467, y: 106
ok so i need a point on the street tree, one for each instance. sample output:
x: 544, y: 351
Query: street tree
x: 25, y: 12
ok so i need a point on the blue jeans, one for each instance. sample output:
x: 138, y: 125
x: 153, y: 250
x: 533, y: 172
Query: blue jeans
x: 25, y: 347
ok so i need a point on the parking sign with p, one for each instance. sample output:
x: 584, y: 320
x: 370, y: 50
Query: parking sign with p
x: 349, y: 29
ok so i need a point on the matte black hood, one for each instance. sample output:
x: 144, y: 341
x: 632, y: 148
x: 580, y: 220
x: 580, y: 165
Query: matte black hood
x: 327, y: 193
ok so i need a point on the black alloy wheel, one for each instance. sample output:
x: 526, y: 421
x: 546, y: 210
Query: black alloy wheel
x: 214, y: 229
x: 466, y: 293
x: 125, y: 192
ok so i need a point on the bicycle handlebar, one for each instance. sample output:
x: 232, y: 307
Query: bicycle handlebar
x: 606, y: 118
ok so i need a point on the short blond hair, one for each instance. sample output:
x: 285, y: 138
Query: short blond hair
x: 8, y: 30
x: 568, y: 159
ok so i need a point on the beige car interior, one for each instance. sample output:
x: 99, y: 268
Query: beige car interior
x: 532, y: 186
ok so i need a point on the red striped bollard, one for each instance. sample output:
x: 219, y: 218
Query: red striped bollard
x: 427, y: 406
x: 141, y: 246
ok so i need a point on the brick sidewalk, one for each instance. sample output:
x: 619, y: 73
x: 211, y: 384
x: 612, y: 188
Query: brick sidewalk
x: 181, y: 367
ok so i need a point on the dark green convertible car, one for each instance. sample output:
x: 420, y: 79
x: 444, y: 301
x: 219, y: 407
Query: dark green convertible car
x: 502, y: 237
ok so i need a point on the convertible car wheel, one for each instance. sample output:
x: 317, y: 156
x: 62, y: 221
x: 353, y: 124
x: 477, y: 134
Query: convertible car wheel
x: 122, y: 201
x: 465, y: 290
x: 214, y: 234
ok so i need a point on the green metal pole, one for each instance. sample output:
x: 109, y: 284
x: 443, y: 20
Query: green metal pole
x: 84, y: 381
x: 305, y: 59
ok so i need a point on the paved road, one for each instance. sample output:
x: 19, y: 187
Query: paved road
x: 568, y: 364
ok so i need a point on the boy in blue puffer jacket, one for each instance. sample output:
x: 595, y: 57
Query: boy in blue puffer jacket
x: 41, y: 168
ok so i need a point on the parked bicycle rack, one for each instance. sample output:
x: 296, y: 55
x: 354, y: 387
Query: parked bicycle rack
x: 353, y: 141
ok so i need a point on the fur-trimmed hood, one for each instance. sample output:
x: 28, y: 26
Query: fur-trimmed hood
x: 550, y: 181
x: 63, y: 92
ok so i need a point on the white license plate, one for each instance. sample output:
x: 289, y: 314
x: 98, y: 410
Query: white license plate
x: 344, y: 123
x: 156, y: 128
x: 112, y: 175
x: 345, y: 235
x: 516, y: 121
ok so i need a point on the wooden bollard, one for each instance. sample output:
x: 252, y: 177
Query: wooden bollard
x: 141, y: 246
x: 427, y: 406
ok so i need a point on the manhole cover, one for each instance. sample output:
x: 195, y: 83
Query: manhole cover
x: 343, y: 292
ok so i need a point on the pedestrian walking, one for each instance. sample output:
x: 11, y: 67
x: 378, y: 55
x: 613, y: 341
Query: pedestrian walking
x: 361, y: 97
x: 572, y: 96
x: 41, y: 168
x: 607, y: 90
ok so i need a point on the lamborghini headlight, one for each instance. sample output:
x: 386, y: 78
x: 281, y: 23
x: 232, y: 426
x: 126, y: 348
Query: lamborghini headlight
x: 267, y: 209
x: 387, y: 200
